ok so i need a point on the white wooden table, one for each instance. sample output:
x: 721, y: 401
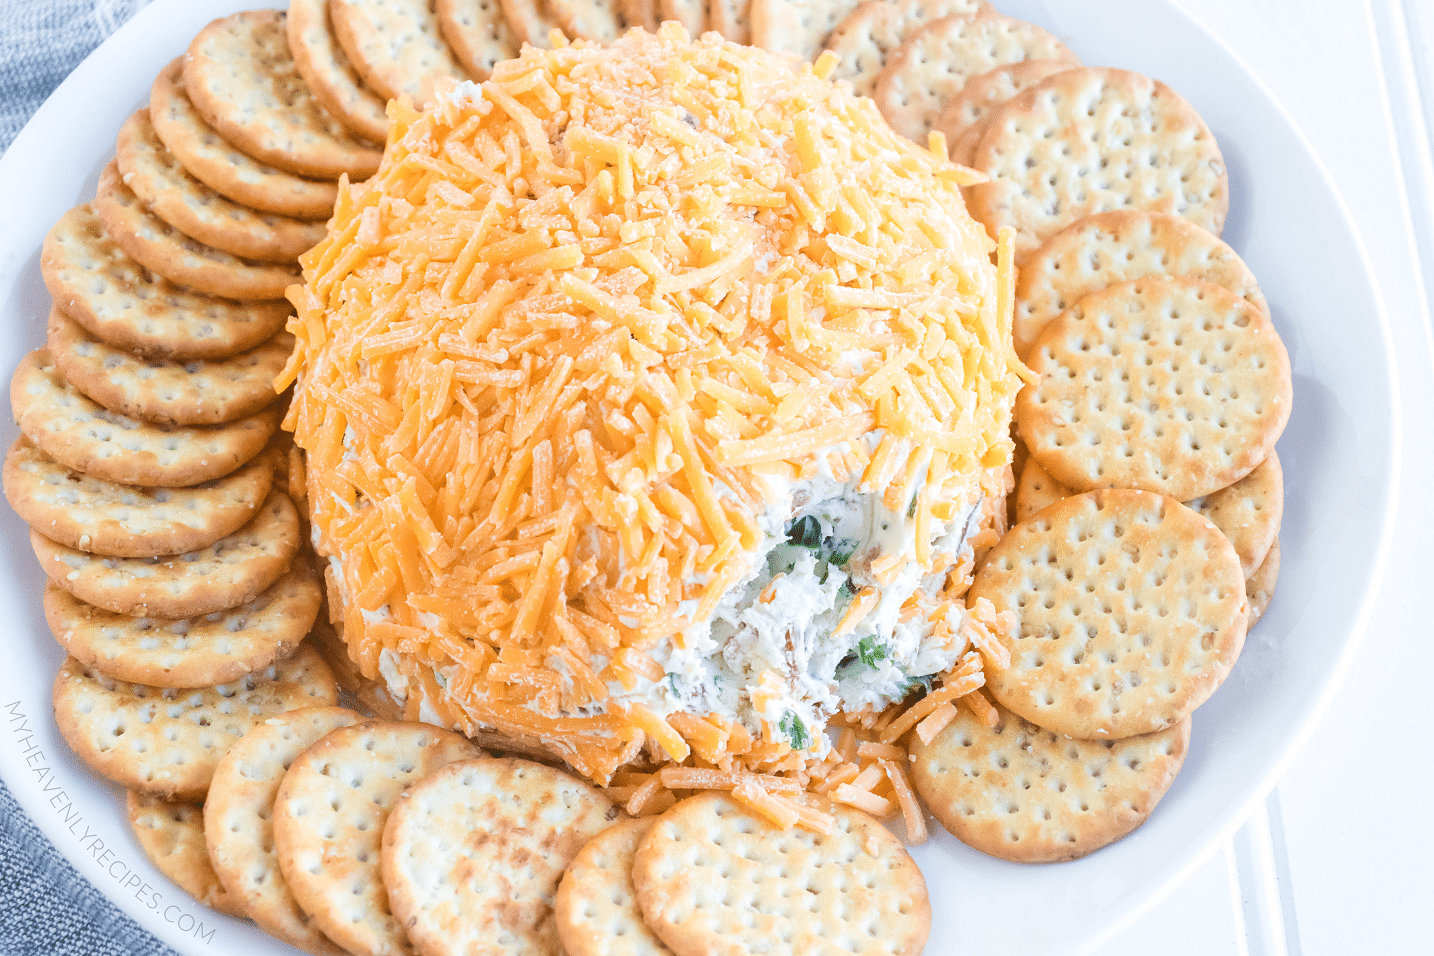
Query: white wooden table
x: 1340, y: 859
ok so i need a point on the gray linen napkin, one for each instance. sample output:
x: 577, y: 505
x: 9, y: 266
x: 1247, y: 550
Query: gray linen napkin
x: 46, y: 907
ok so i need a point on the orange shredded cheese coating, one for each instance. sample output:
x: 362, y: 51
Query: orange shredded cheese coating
x: 547, y: 355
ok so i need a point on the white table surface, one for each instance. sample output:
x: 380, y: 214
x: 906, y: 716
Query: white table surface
x: 1340, y: 860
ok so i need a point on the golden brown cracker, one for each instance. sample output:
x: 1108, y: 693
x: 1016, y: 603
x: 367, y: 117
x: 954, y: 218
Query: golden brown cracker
x: 167, y: 741
x: 188, y: 652
x: 242, y: 78
x: 1028, y: 795
x: 1130, y: 612
x: 1093, y: 140
x: 120, y: 302
x: 238, y: 824
x: 90, y: 514
x: 1171, y: 385
x: 83, y: 435
x: 329, y: 817
x: 472, y: 854
x: 226, y: 574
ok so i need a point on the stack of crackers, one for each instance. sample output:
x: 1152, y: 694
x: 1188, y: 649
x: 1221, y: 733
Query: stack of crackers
x: 1149, y: 496
x: 168, y: 515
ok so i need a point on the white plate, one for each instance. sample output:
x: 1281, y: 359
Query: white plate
x: 1339, y: 455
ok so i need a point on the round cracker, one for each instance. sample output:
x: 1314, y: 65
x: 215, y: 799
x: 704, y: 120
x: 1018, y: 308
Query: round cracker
x: 241, y: 77
x: 1170, y: 385
x: 716, y: 879
x: 238, y: 821
x: 189, y: 652
x: 1131, y: 611
x: 231, y: 571
x: 161, y: 248
x: 872, y: 33
x: 1249, y: 511
x: 1024, y: 794
x: 120, y: 302
x: 472, y: 854
x: 600, y: 21
x: 196, y: 392
x: 329, y: 818
x: 801, y: 27
x: 1092, y: 140
x: 330, y: 76
x: 210, y: 158
x: 596, y: 907
x: 1260, y: 586
x: 171, y: 834
x: 1111, y: 247
x: 530, y: 20
x: 478, y: 33
x: 396, y: 46
x: 168, y: 190
x: 972, y: 107
x: 90, y: 514
x: 167, y: 741
x: 937, y: 61
x: 81, y: 434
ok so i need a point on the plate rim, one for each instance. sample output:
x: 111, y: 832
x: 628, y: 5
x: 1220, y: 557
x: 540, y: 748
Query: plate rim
x: 1125, y: 911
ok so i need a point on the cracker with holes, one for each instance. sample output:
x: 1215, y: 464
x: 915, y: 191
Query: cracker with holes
x: 161, y: 248
x: 1249, y: 511
x: 329, y: 817
x: 396, y: 46
x: 188, y: 652
x: 478, y: 33
x: 1095, y: 140
x: 172, y: 836
x: 241, y: 77
x: 90, y: 514
x: 531, y: 21
x: 193, y: 392
x: 1260, y: 586
x: 67, y: 426
x: 120, y: 302
x: 935, y: 64
x: 330, y: 76
x: 231, y: 172
x: 1171, y: 385
x: 598, y: 20
x: 226, y: 574
x: 168, y: 191
x: 1131, y: 610
x: 473, y: 854
x: 167, y: 741
x: 1111, y: 247
x: 871, y: 34
x: 966, y: 116
x: 801, y: 27
x: 238, y: 825
x: 596, y: 907
x: 716, y: 879
x: 1024, y: 794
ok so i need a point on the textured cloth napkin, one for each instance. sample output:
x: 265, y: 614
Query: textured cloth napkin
x: 46, y: 908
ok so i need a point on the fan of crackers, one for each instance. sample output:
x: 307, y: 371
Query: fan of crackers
x: 204, y: 677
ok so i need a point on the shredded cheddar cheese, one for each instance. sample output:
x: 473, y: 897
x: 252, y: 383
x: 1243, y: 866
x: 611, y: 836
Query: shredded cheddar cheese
x: 551, y: 355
